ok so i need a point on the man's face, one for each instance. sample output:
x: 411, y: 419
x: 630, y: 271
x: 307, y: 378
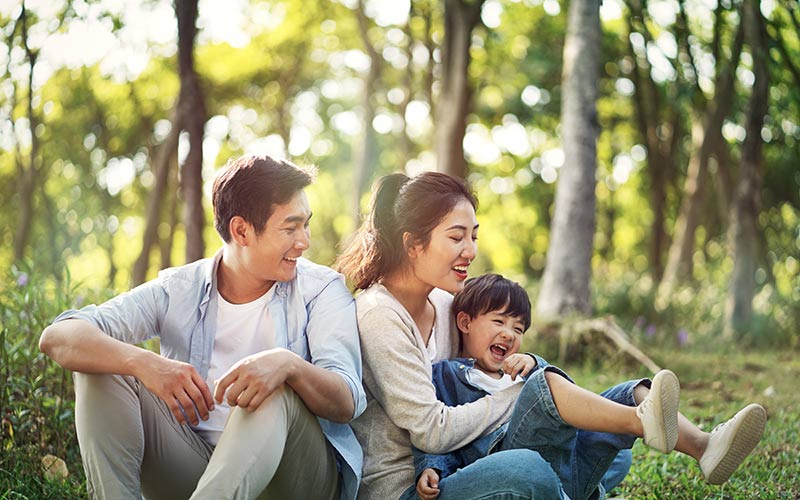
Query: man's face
x: 273, y: 254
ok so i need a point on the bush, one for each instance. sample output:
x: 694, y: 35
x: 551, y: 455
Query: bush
x: 36, y: 399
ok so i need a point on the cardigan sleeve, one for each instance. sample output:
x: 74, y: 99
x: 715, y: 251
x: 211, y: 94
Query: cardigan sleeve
x: 399, y: 374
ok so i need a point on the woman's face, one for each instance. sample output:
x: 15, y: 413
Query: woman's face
x: 452, y: 247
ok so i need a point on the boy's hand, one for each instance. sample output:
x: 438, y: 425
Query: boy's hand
x: 428, y: 485
x: 518, y: 364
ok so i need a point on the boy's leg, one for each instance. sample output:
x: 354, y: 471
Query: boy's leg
x: 277, y: 451
x: 131, y: 443
x: 509, y: 474
x: 537, y: 425
x: 596, y: 453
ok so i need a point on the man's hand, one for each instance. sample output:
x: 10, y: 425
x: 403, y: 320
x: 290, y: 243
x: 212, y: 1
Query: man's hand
x: 254, y: 378
x: 428, y: 485
x: 180, y: 386
x: 518, y: 364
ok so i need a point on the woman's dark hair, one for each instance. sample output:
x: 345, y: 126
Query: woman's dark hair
x: 399, y: 205
x: 493, y: 292
x: 250, y: 185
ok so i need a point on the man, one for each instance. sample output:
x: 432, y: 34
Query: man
x: 255, y: 343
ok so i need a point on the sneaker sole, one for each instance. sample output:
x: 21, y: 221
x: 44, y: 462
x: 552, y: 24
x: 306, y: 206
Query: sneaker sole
x: 745, y: 436
x: 669, y: 395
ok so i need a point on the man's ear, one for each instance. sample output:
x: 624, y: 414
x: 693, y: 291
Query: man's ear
x: 463, y: 321
x: 238, y: 227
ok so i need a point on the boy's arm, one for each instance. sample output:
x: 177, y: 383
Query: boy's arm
x: 401, y: 385
x: 444, y: 464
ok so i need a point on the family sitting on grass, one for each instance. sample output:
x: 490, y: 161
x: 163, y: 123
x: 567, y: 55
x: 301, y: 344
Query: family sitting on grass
x: 257, y: 392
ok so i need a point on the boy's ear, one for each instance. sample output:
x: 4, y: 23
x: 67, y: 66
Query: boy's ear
x: 462, y: 322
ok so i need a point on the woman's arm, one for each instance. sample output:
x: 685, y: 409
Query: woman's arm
x: 398, y: 373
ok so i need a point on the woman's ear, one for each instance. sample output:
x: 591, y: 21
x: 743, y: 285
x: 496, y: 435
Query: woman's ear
x: 463, y: 321
x: 409, y: 245
x: 238, y: 227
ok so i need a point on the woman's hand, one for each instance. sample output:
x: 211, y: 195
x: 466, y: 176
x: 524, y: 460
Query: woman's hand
x: 428, y: 485
x: 519, y: 364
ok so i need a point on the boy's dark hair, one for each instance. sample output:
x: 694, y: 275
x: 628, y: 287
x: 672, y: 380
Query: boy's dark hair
x: 493, y: 292
x: 250, y: 185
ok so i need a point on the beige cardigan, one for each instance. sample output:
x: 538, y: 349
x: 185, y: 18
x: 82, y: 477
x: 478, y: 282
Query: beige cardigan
x: 402, y: 409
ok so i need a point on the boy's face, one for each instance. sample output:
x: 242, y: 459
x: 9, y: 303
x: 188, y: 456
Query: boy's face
x: 490, y: 338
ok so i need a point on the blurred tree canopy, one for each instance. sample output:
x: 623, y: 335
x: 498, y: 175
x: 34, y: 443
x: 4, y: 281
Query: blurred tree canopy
x: 95, y: 148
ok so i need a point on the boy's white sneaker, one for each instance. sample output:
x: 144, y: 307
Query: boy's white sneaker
x: 659, y: 412
x: 731, y: 442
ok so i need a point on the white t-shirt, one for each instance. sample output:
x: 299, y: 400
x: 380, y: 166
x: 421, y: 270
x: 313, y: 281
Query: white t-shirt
x: 242, y: 330
x: 489, y: 384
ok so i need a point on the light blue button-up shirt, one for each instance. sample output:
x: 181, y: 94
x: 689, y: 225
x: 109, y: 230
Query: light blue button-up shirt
x: 314, y: 316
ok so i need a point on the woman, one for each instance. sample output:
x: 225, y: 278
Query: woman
x: 416, y: 245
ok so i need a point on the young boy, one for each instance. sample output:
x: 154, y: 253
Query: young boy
x: 577, y: 431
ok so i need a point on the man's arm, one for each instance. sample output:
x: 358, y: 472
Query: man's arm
x: 253, y: 379
x: 80, y: 346
x: 329, y: 385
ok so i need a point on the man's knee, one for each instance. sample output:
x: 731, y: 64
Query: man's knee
x: 96, y: 384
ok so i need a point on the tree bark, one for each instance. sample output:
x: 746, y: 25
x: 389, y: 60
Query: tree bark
x: 565, y: 284
x: 744, y: 230
x: 659, y: 151
x: 365, y: 155
x: 706, y: 133
x: 191, y: 108
x: 161, y: 167
x: 460, y: 18
x: 27, y: 174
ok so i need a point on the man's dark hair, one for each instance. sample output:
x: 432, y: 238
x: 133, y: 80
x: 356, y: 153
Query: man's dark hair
x: 250, y: 186
x: 493, y: 292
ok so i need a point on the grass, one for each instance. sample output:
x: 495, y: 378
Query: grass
x: 37, y: 410
x: 713, y: 387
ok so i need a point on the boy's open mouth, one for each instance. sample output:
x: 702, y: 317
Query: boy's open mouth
x: 498, y: 350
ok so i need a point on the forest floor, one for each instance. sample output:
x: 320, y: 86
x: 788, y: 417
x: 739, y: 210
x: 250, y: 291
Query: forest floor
x: 713, y: 387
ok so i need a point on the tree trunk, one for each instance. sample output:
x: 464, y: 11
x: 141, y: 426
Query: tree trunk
x: 365, y: 155
x: 461, y: 17
x: 191, y: 108
x: 744, y: 230
x: 659, y: 152
x: 565, y: 284
x: 166, y: 153
x: 704, y: 139
x: 27, y: 174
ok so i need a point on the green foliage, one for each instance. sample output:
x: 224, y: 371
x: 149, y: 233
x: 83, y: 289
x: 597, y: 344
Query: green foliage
x: 36, y: 396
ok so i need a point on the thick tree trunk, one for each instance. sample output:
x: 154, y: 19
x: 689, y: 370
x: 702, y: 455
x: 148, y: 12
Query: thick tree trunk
x: 565, y: 285
x: 191, y: 107
x: 161, y: 167
x: 461, y: 17
x: 365, y: 155
x: 744, y: 230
